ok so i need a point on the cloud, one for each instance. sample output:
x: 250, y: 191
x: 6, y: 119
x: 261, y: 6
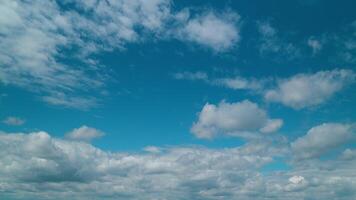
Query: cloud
x: 348, y: 154
x: 305, y: 90
x: 315, y: 45
x: 233, y: 119
x: 219, y: 32
x: 235, y: 83
x: 77, y: 170
x: 43, y: 167
x: 321, y: 139
x: 239, y: 83
x: 70, y: 101
x: 84, y: 133
x: 41, y: 41
x: 191, y: 76
x: 272, y: 43
x: 14, y: 121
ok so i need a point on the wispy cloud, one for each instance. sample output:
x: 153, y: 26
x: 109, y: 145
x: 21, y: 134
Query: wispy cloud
x: 39, y: 38
x: 14, y: 121
x: 298, y: 91
x: 272, y: 43
x: 305, y: 90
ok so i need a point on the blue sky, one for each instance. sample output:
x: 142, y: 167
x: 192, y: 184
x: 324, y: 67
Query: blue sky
x: 153, y: 80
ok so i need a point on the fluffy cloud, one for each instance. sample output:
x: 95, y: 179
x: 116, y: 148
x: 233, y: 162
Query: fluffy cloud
x: 13, y: 121
x: 45, y: 165
x: 84, y: 133
x: 233, y: 119
x: 304, y: 90
x: 42, y: 167
x: 37, y: 36
x: 219, y: 32
x: 322, y: 138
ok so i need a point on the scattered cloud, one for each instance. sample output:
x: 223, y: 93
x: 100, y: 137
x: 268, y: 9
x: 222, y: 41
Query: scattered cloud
x: 84, y: 133
x: 305, y: 90
x: 14, y: 121
x: 241, y: 119
x: 272, y: 43
x: 38, y: 39
x: 321, y: 139
x: 298, y: 91
x: 191, y: 76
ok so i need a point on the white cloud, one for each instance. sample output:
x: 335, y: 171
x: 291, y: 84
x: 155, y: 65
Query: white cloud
x: 304, y: 90
x: 239, y: 83
x: 43, y: 167
x: 36, y: 36
x: 14, y: 121
x: 272, y: 43
x: 69, y: 169
x: 315, y: 45
x: 233, y: 119
x: 235, y: 83
x: 321, y: 139
x: 84, y: 133
x: 219, y: 32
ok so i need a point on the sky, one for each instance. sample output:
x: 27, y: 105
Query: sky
x: 188, y: 100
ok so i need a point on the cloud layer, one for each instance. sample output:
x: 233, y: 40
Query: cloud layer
x: 42, y: 167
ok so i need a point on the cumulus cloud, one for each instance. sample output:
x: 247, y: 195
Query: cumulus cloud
x: 14, y: 121
x: 75, y: 169
x: 323, y: 138
x: 219, y: 32
x: 305, y: 90
x: 36, y: 36
x: 84, y: 133
x: 43, y: 167
x: 233, y: 119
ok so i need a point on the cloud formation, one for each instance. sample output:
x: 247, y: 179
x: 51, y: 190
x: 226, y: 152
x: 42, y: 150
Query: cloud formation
x: 14, y: 121
x: 323, y: 138
x: 43, y: 167
x: 39, y: 38
x: 272, y: 43
x: 219, y: 32
x: 84, y: 133
x: 305, y: 90
x: 241, y: 119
